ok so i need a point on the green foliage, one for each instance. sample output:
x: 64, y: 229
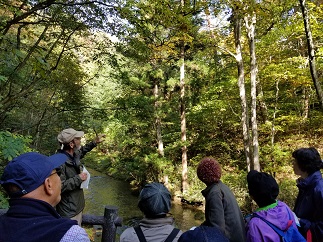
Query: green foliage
x: 237, y: 182
x: 59, y: 68
x: 195, y: 187
x: 3, y: 200
x: 288, y: 191
x: 12, y: 145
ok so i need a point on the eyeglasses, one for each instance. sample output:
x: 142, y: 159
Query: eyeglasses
x: 58, y: 171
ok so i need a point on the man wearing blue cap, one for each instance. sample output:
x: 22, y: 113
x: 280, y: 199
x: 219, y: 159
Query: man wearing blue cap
x: 33, y: 184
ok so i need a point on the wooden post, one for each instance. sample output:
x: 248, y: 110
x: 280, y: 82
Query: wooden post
x: 111, y: 221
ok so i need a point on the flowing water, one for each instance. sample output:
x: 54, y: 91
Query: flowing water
x: 104, y: 190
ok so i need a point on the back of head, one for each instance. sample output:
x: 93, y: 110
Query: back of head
x: 154, y: 200
x: 203, y: 234
x: 209, y: 171
x: 262, y: 187
x: 308, y: 159
x: 28, y: 171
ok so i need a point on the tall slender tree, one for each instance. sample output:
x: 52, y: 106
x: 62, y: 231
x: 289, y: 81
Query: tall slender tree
x: 250, y: 21
x: 311, y: 52
x: 237, y: 20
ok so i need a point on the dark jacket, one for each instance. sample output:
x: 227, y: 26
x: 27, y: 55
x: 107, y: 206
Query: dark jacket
x: 309, y: 205
x: 72, y: 196
x: 222, y: 210
x: 154, y: 230
x: 32, y: 220
x: 203, y: 234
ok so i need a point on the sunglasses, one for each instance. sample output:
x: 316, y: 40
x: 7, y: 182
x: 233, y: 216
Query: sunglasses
x: 58, y: 171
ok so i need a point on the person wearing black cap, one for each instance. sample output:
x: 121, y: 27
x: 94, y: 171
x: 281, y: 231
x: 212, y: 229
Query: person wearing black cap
x: 73, y: 201
x: 155, y: 203
x: 33, y: 184
x: 309, y: 202
x: 264, y: 190
x: 221, y: 207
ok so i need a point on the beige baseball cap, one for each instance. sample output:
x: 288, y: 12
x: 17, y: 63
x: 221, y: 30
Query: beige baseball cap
x: 67, y: 135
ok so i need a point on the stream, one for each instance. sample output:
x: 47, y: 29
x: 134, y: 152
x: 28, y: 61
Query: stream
x: 104, y: 190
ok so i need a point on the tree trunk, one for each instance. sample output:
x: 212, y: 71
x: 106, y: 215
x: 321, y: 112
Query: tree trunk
x: 160, y: 144
x: 253, y: 80
x: 183, y: 122
x: 273, y: 130
x: 242, y: 89
x: 183, y: 114
x: 311, y: 54
x: 263, y: 110
x: 305, y: 103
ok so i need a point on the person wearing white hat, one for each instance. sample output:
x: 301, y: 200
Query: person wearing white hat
x: 73, y: 202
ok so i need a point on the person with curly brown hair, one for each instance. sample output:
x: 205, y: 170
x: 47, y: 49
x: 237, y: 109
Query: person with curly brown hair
x: 221, y: 207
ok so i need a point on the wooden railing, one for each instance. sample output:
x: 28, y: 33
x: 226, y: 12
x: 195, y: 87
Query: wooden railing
x: 109, y: 222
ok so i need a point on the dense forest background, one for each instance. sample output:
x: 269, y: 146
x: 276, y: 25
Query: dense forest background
x: 169, y: 82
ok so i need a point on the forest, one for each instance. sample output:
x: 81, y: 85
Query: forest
x: 169, y: 82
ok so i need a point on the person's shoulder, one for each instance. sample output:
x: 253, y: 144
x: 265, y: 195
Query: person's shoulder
x: 223, y: 186
x: 203, y: 233
x: 318, y: 186
x: 283, y: 205
x: 254, y: 224
x: 128, y: 235
x: 75, y: 234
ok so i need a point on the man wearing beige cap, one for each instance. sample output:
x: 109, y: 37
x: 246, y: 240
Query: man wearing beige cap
x: 73, y: 202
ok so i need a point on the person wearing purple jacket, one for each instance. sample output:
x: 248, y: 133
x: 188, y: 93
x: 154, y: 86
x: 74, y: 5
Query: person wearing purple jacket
x: 264, y: 190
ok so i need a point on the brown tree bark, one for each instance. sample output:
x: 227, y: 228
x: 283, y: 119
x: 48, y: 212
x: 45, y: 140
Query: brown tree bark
x: 311, y: 52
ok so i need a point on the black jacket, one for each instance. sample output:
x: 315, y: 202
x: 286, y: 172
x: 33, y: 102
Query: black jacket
x: 309, y: 205
x: 222, y: 211
x: 32, y: 220
x: 72, y: 196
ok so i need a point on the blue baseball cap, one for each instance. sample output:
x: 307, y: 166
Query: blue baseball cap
x: 28, y: 171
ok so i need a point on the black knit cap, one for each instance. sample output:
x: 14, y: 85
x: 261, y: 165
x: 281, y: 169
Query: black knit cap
x: 262, y: 187
x: 154, y: 200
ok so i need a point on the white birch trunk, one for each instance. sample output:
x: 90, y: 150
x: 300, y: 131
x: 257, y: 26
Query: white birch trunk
x: 183, y: 122
x: 242, y: 90
x: 253, y: 80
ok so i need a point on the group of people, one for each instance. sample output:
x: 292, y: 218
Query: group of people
x: 46, y: 198
x: 224, y: 222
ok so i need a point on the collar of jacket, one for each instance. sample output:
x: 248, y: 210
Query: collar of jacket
x: 309, y: 181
